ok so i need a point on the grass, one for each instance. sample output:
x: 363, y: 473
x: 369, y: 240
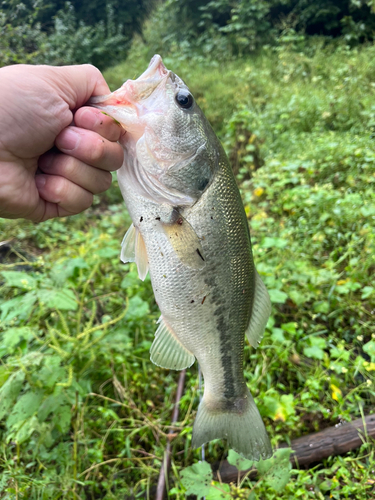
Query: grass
x: 84, y: 413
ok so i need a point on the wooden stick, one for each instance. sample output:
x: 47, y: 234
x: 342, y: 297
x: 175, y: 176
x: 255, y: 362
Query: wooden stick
x: 166, y: 465
x: 315, y: 447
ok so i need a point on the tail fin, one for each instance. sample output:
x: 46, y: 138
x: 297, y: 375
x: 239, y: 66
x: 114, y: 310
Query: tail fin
x: 240, y: 424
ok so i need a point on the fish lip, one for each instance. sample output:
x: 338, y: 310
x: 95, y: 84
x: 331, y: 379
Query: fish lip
x: 121, y: 103
x: 156, y: 64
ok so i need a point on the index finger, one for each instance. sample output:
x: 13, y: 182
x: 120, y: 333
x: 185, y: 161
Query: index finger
x: 95, y: 120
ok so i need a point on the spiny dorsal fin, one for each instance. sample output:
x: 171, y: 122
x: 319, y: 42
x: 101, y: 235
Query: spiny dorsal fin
x: 133, y: 249
x: 167, y: 351
x: 260, y: 313
x: 185, y: 242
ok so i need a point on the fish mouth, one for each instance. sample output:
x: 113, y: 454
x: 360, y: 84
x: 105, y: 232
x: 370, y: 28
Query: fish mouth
x: 125, y: 104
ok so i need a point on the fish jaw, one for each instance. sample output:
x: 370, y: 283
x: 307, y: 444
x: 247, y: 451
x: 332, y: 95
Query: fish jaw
x: 127, y: 104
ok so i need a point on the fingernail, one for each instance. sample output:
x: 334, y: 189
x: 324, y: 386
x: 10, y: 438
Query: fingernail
x: 40, y: 181
x: 68, y: 140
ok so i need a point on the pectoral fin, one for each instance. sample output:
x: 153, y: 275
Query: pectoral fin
x: 133, y: 249
x: 167, y: 351
x: 185, y: 242
x: 260, y: 313
x: 128, y: 246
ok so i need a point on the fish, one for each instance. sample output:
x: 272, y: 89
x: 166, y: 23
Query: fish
x: 190, y: 232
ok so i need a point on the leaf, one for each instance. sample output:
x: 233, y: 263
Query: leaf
x: 31, y: 425
x: 313, y: 352
x: 19, y: 279
x: 19, y: 306
x: 64, y: 299
x: 66, y: 269
x: 367, y: 291
x: 197, y: 479
x: 107, y: 253
x: 25, y: 407
x: 219, y: 492
x: 370, y: 349
x: 276, y: 469
x: 238, y: 461
x: 268, y: 242
x: 290, y: 327
x: 9, y: 391
x: 277, y: 296
x: 49, y: 405
x: 62, y: 418
x: 13, y: 336
x: 137, y: 308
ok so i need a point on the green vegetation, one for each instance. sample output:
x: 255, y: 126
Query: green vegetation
x: 84, y: 413
x: 75, y: 32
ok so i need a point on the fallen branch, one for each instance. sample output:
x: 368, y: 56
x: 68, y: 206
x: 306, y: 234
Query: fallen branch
x: 314, y: 447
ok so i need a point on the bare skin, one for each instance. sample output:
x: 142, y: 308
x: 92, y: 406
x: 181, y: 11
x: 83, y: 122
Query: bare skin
x: 37, y: 106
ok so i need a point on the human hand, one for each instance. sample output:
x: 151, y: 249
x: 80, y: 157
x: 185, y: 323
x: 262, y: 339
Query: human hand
x: 37, y: 104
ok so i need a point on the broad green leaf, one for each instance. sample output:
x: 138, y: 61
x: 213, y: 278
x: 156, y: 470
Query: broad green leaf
x: 268, y: 242
x: 290, y: 327
x: 25, y: 431
x: 367, y: 291
x: 13, y: 336
x: 275, y: 470
x: 370, y: 349
x: 19, y: 306
x: 197, y: 479
x: 9, y: 392
x: 66, y: 269
x: 25, y: 407
x: 238, y: 461
x: 51, y: 371
x: 137, y: 308
x: 219, y: 492
x: 277, y: 296
x: 49, y: 405
x: 107, y: 253
x: 65, y: 300
x: 62, y: 418
x: 313, y: 352
x: 19, y: 279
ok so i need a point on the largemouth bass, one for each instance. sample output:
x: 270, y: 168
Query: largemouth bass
x: 191, y: 233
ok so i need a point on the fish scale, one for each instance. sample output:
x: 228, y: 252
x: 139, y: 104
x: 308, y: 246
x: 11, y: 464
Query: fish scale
x: 191, y: 233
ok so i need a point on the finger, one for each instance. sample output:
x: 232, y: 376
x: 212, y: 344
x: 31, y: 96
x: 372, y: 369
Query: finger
x: 90, y: 178
x: 95, y: 120
x: 90, y: 148
x: 78, y: 83
x: 70, y: 198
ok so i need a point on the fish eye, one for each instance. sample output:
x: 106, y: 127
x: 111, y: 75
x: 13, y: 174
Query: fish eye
x: 184, y: 99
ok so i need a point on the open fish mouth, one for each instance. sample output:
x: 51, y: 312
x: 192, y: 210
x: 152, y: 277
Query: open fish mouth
x: 125, y: 103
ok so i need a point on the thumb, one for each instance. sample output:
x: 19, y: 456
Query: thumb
x: 76, y: 84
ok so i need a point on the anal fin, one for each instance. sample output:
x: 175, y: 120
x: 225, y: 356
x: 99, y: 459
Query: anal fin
x: 260, y: 313
x: 133, y: 249
x: 167, y: 351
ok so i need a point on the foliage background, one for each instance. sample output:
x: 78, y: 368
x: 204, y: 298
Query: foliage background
x: 83, y: 412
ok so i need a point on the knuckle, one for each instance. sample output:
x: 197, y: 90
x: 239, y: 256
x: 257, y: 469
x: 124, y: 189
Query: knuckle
x: 59, y: 189
x: 107, y: 181
x: 87, y: 200
x: 69, y: 167
x: 97, y: 152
